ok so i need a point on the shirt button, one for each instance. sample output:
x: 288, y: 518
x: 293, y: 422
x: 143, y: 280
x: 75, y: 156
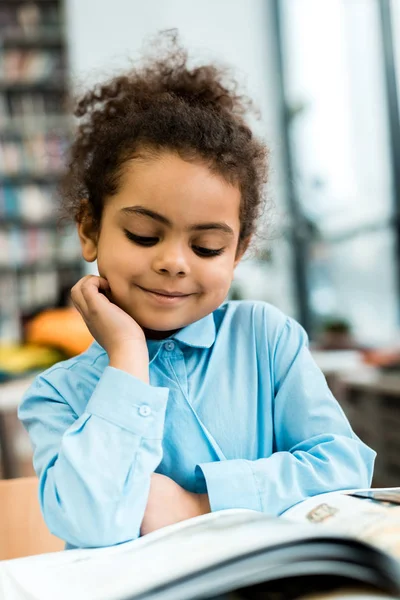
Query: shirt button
x: 144, y: 410
x: 169, y: 346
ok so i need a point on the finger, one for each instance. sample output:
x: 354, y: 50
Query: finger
x: 93, y: 291
x: 83, y: 281
x: 79, y: 301
x: 77, y: 294
x: 94, y: 281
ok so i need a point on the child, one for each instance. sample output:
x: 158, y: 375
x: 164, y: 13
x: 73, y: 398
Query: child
x: 184, y: 404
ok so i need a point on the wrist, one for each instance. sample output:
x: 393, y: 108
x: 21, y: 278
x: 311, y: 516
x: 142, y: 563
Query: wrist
x: 204, y: 504
x: 133, y: 358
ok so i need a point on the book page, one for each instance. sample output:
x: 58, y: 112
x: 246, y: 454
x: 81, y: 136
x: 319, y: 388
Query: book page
x: 371, y: 515
x: 156, y: 559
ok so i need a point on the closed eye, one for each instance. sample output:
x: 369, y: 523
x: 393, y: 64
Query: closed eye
x: 151, y: 241
x: 140, y: 239
x: 207, y: 252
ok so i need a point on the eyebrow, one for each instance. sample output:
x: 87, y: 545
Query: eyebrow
x: 141, y: 211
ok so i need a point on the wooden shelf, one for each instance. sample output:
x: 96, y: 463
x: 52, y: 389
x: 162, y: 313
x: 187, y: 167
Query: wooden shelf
x: 24, y: 127
x: 39, y: 2
x: 32, y: 108
x: 42, y: 267
x: 6, y: 222
x: 42, y: 40
x: 29, y: 177
x: 47, y: 86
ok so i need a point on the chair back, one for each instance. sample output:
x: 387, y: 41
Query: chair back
x: 23, y: 531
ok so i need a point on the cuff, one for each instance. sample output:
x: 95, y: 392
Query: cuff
x: 230, y: 484
x: 129, y: 403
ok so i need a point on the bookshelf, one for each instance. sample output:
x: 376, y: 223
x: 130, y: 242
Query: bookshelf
x: 38, y: 259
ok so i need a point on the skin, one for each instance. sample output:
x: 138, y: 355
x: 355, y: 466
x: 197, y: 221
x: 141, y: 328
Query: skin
x: 118, y: 307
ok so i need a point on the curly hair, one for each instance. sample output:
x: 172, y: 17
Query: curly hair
x: 164, y: 105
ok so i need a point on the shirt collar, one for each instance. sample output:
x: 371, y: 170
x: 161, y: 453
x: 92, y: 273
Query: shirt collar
x: 200, y: 334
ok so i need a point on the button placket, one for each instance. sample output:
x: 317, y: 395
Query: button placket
x: 178, y: 368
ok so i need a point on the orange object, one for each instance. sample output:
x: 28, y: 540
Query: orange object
x: 61, y: 328
x: 383, y: 357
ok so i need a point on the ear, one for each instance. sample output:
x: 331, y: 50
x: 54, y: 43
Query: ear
x: 87, y: 232
x: 241, y: 250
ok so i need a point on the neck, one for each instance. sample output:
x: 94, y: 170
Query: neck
x: 150, y: 334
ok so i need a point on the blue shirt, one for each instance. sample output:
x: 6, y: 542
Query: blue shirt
x: 236, y: 407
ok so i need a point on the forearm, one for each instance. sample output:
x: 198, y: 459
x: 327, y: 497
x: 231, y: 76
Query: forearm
x: 169, y: 503
x: 86, y: 489
x: 95, y: 470
x: 204, y: 504
x: 274, y: 484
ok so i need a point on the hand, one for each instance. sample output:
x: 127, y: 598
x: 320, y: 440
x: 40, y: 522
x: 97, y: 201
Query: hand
x: 169, y: 503
x: 112, y: 327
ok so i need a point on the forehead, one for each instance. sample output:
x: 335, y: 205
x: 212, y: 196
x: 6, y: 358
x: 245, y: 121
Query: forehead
x: 185, y: 192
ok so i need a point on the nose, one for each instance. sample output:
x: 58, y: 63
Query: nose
x: 171, y: 259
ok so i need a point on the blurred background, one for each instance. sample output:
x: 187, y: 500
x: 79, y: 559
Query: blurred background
x: 325, y: 77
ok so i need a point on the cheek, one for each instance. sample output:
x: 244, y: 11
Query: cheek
x: 111, y: 263
x: 119, y: 261
x: 219, y: 277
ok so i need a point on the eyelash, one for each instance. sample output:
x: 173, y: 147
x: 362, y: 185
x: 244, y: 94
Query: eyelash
x: 151, y: 241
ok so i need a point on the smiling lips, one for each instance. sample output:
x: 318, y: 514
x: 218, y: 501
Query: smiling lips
x: 166, y: 297
x: 166, y: 293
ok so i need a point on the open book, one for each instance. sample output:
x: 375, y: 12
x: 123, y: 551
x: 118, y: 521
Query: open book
x: 338, y: 540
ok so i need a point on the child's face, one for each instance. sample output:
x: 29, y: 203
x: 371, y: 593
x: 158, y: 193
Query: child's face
x: 181, y: 210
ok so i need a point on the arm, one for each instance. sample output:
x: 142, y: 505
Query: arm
x: 316, y: 450
x: 94, y: 469
x: 169, y: 503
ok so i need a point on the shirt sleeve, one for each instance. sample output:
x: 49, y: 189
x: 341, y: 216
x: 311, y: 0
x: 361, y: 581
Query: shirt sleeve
x: 315, y: 449
x: 95, y: 469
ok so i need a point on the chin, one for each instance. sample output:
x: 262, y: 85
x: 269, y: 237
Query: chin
x: 161, y: 328
x: 155, y: 323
